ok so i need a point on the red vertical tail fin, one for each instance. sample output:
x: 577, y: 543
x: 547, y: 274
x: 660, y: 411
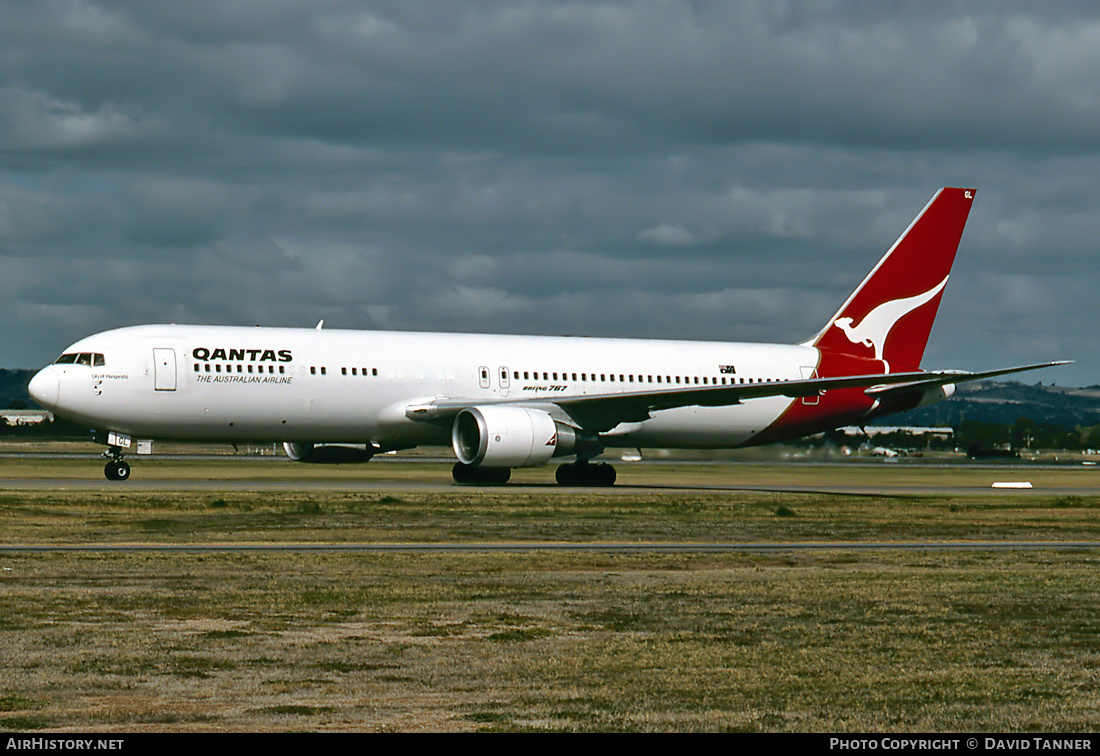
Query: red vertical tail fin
x: 890, y: 315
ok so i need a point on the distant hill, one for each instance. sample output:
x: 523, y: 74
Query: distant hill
x: 13, y: 389
x: 1005, y: 402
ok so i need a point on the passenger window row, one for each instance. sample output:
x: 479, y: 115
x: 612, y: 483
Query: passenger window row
x: 356, y: 371
x: 682, y: 380
x: 527, y: 375
x: 217, y: 368
x: 241, y: 368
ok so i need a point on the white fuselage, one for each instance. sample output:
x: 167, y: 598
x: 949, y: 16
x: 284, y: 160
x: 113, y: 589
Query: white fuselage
x: 338, y: 386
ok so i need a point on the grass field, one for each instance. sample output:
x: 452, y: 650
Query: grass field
x: 829, y: 640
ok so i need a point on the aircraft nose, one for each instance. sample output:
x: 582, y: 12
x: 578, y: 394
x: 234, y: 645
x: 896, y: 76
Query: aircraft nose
x: 44, y: 387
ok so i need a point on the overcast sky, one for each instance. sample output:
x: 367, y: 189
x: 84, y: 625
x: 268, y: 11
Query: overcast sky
x: 666, y: 169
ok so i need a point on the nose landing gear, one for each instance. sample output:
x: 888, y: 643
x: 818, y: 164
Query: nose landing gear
x: 117, y: 468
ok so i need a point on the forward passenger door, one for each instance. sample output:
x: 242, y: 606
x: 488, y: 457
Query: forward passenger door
x: 164, y: 369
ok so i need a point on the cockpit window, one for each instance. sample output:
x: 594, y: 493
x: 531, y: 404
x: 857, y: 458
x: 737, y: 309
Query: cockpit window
x: 92, y: 359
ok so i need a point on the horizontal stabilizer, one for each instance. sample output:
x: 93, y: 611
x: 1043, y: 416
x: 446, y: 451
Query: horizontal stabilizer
x: 944, y: 377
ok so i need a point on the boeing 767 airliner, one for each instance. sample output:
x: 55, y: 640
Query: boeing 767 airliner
x: 519, y: 401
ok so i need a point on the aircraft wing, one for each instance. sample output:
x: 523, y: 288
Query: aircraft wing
x: 602, y: 412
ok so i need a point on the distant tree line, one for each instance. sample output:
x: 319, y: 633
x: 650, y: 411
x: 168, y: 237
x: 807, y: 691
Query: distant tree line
x: 1027, y: 434
x: 976, y: 435
x: 53, y: 429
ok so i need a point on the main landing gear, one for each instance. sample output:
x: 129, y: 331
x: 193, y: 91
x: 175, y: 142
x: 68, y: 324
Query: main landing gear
x: 571, y: 474
x: 116, y: 469
x: 585, y: 474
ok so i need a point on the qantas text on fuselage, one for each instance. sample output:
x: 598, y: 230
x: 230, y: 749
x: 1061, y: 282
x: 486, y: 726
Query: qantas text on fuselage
x: 240, y: 355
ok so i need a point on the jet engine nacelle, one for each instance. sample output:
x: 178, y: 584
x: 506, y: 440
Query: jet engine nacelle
x: 330, y: 454
x: 495, y: 436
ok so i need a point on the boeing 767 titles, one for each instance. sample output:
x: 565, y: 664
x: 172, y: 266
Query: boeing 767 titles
x: 519, y: 401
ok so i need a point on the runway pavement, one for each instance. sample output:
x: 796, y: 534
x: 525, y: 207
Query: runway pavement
x: 442, y: 484
x: 652, y: 478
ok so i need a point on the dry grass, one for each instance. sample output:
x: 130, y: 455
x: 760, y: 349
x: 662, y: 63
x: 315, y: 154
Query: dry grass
x: 410, y: 642
x: 834, y: 640
x: 123, y: 515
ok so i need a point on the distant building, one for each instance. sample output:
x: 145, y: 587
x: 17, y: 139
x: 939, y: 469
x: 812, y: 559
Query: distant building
x: 14, y: 417
x: 913, y: 430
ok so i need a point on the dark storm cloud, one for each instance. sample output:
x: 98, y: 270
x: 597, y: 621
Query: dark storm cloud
x: 672, y: 169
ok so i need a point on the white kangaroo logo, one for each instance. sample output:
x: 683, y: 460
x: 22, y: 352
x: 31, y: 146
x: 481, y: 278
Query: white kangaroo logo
x: 876, y: 325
